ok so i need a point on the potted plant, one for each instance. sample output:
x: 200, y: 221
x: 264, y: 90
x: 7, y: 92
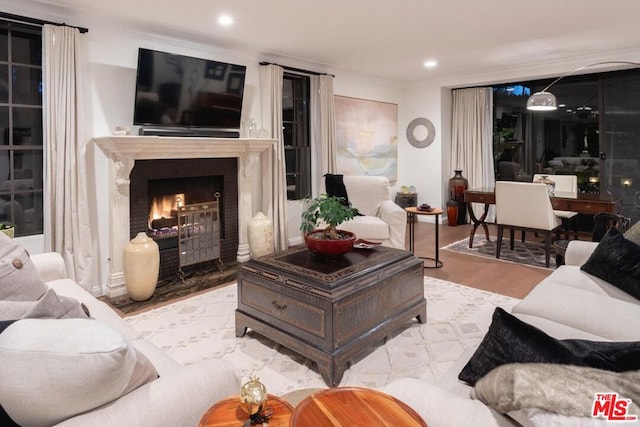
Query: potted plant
x: 7, y: 229
x: 332, y: 211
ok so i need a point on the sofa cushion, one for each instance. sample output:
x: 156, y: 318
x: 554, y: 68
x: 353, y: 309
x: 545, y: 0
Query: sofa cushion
x: 616, y: 260
x: 568, y: 305
x: 574, y: 277
x: 510, y: 340
x: 440, y: 408
x: 558, y: 330
x: 98, y: 309
x: 19, y: 279
x: 367, y: 227
x: 64, y: 367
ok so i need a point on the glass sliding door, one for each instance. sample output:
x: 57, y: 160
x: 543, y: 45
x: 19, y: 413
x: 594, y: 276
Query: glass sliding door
x: 621, y: 140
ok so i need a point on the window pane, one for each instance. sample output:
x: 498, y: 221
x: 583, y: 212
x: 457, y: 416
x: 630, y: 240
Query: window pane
x: 290, y: 160
x: 621, y: 130
x: 4, y: 50
x: 26, y: 48
x: 28, y: 213
x: 4, y: 167
x: 27, y: 87
x: 287, y: 134
x: 4, y: 83
x: 27, y: 169
x: 287, y: 110
x: 4, y: 125
x: 287, y: 89
x: 27, y: 126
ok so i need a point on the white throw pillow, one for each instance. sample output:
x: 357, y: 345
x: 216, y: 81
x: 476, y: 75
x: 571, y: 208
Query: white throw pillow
x: 53, y: 369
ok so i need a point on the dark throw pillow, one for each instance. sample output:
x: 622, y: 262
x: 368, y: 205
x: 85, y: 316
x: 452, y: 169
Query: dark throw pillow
x: 616, y: 260
x: 510, y: 340
x: 334, y: 184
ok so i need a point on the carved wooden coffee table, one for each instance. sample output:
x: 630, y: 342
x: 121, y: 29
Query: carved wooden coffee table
x: 330, y: 310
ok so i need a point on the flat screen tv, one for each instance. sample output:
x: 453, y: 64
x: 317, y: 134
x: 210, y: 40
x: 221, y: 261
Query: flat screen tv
x: 177, y: 93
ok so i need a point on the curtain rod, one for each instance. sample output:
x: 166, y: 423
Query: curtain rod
x: 38, y: 22
x: 299, y: 70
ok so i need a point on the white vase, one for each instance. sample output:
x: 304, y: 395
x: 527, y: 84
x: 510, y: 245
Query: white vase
x: 141, y: 267
x: 260, y: 233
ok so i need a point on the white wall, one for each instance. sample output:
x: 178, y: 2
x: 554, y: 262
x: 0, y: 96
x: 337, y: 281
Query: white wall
x: 112, y: 58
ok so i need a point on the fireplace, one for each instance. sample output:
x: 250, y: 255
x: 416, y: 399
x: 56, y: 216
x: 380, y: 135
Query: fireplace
x: 253, y: 159
x: 158, y: 188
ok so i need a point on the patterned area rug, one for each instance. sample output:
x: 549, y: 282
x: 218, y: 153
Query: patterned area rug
x: 203, y: 327
x: 530, y: 253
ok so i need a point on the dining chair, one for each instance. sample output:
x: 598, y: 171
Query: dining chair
x: 565, y: 185
x: 525, y: 206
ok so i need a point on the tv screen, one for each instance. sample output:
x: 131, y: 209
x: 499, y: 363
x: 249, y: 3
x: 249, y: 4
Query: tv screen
x: 176, y: 91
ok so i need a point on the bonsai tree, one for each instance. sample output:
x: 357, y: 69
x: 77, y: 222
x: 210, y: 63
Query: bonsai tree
x: 331, y: 210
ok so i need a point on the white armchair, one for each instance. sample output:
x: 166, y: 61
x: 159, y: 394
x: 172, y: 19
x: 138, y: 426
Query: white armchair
x: 382, y: 220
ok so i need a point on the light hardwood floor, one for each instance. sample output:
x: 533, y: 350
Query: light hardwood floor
x: 514, y: 280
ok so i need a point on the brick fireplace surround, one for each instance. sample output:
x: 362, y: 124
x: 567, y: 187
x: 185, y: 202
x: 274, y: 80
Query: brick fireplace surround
x: 254, y: 193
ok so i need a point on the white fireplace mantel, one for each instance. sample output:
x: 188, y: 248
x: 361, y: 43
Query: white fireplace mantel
x: 123, y: 151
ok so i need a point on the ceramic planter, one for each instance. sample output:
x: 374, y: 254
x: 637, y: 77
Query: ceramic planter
x: 327, y: 247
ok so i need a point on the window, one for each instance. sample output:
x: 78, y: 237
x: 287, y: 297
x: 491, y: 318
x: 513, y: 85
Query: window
x: 297, y: 147
x: 21, y: 154
x: 594, y: 134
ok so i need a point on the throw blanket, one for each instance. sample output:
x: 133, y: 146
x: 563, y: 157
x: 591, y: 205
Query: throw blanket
x: 561, y: 389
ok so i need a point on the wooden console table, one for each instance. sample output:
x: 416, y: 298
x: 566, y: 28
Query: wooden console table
x: 330, y: 310
x: 584, y: 203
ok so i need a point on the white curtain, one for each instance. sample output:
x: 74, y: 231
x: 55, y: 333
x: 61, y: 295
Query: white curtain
x: 323, y: 128
x: 271, y: 99
x: 472, y: 139
x: 67, y: 227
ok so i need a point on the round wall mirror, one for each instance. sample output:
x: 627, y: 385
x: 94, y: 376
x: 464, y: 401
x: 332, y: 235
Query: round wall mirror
x: 421, y: 132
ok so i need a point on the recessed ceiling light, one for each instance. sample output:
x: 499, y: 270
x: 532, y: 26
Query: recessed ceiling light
x: 225, y: 20
x: 430, y: 64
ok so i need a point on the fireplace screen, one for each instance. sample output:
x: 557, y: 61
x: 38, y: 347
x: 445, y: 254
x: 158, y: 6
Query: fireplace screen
x: 199, y: 233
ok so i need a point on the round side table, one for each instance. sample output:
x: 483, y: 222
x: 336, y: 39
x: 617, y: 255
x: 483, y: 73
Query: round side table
x: 229, y: 413
x: 412, y: 213
x: 354, y: 406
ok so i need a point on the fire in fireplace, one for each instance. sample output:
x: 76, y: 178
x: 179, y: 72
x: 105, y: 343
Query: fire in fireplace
x: 163, y: 213
x: 159, y: 188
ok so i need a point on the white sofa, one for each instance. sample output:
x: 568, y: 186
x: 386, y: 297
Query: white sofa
x: 178, y: 397
x: 568, y: 304
x: 382, y: 220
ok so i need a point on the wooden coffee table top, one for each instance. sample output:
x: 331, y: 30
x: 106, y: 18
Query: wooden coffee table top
x: 229, y: 413
x: 353, y: 406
